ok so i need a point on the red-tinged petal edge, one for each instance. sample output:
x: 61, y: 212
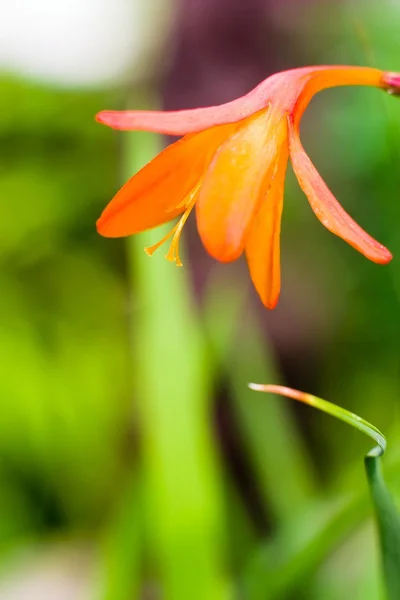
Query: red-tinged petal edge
x: 281, y: 88
x: 180, y: 122
x: 325, y: 206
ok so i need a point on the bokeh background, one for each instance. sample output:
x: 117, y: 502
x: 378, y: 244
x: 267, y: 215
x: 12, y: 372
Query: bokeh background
x: 134, y: 460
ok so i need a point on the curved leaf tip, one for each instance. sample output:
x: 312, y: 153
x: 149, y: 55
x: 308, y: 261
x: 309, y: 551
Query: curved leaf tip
x: 330, y: 409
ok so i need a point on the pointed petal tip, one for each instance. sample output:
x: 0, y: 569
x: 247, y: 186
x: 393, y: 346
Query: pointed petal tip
x: 385, y: 256
x: 100, y: 227
x: 272, y: 302
x: 327, y: 209
x: 99, y: 116
x: 104, y: 229
x: 109, y: 118
x: 269, y: 298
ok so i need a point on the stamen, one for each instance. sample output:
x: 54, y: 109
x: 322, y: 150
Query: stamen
x: 151, y: 249
x: 173, y: 252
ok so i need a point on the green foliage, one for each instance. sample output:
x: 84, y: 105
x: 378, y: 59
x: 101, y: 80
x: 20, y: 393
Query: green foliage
x: 124, y: 412
x: 388, y: 519
x: 62, y: 332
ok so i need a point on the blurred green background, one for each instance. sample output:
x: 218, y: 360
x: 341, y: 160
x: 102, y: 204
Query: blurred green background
x: 134, y: 460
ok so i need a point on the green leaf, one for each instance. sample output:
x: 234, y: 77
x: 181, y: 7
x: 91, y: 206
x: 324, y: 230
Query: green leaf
x: 388, y: 518
x: 388, y: 521
x: 182, y: 490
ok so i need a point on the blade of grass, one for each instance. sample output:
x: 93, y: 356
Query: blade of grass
x: 387, y: 515
x: 121, y: 550
x: 281, y: 566
x: 173, y: 399
x: 388, y: 520
x: 328, y: 408
x: 278, y: 568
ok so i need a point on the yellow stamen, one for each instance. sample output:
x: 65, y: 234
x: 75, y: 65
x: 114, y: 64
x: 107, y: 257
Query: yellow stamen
x: 173, y: 252
x: 151, y: 249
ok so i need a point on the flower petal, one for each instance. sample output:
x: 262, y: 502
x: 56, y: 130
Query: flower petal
x: 156, y: 193
x: 235, y: 182
x: 181, y: 122
x: 315, y: 79
x: 263, y: 240
x: 284, y: 87
x: 325, y: 206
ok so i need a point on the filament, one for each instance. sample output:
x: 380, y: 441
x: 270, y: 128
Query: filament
x: 173, y: 252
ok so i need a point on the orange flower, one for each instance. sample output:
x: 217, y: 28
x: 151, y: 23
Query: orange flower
x: 231, y: 164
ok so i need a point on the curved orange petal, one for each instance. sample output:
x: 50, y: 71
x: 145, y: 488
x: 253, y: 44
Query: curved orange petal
x: 325, y: 206
x: 285, y: 87
x: 263, y: 240
x: 156, y: 193
x: 175, y: 122
x: 193, y: 120
x: 234, y: 184
x: 316, y: 79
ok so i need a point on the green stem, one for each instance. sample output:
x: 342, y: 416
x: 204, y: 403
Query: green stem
x: 387, y: 515
x: 388, y: 520
x: 172, y: 396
